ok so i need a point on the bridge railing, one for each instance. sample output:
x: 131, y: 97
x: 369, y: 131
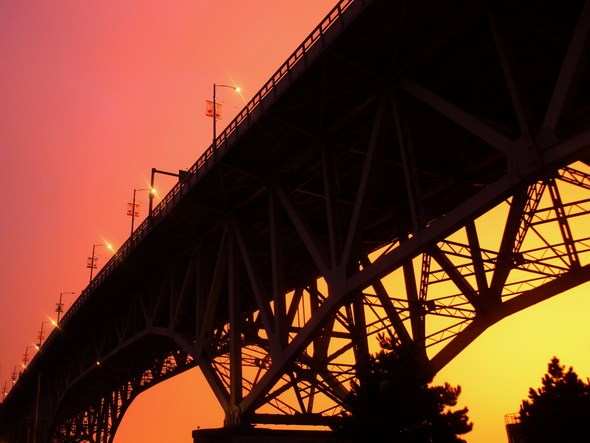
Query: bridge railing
x: 294, y: 65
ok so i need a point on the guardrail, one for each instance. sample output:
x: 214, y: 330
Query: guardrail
x: 271, y: 90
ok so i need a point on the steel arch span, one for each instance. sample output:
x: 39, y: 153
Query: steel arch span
x: 418, y: 169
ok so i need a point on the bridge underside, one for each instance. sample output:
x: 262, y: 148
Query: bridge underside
x: 422, y: 172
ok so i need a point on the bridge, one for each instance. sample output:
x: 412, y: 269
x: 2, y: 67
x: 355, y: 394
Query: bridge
x: 417, y: 169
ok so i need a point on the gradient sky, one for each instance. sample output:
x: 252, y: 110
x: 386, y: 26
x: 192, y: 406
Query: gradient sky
x: 93, y: 94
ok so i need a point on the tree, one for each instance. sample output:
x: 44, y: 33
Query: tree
x: 391, y: 401
x: 559, y: 410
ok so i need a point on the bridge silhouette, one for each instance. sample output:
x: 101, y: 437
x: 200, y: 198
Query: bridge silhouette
x: 418, y: 169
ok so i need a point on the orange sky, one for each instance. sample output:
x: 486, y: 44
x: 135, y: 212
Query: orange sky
x: 95, y: 94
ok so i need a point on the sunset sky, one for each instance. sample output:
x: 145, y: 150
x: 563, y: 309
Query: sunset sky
x: 93, y: 95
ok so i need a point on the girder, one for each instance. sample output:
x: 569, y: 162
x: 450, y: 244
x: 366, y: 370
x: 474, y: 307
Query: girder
x: 416, y: 169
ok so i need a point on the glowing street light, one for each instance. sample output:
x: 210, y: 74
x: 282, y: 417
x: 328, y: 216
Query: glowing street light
x: 91, y: 263
x: 133, y: 208
x: 60, y: 306
x: 212, y: 112
x: 26, y: 359
x: 40, y: 337
x: 14, y: 376
x: 181, y: 174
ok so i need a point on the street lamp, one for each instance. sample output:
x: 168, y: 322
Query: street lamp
x: 40, y: 337
x: 181, y: 174
x: 133, y: 208
x: 26, y: 357
x: 60, y: 306
x: 91, y: 263
x: 214, y: 111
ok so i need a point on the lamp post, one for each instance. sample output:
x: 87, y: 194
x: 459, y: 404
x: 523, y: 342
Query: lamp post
x: 26, y: 357
x: 214, y: 114
x: 92, y: 260
x: 181, y: 174
x: 60, y: 306
x: 132, y: 211
x: 40, y: 337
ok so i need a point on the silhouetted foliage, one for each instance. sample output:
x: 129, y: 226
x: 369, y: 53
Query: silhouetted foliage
x: 559, y: 411
x: 391, y: 401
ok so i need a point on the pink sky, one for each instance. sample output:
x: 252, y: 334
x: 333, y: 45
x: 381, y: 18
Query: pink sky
x: 95, y: 94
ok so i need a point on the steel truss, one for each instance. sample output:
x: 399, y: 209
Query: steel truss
x: 290, y: 359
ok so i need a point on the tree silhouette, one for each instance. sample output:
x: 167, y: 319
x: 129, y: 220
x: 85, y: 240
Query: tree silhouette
x: 559, y: 410
x: 391, y: 401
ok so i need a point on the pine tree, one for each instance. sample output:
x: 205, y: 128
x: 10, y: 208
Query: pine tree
x: 559, y: 410
x: 391, y: 401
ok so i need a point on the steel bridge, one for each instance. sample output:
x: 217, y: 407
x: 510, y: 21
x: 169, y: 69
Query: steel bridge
x: 415, y: 168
